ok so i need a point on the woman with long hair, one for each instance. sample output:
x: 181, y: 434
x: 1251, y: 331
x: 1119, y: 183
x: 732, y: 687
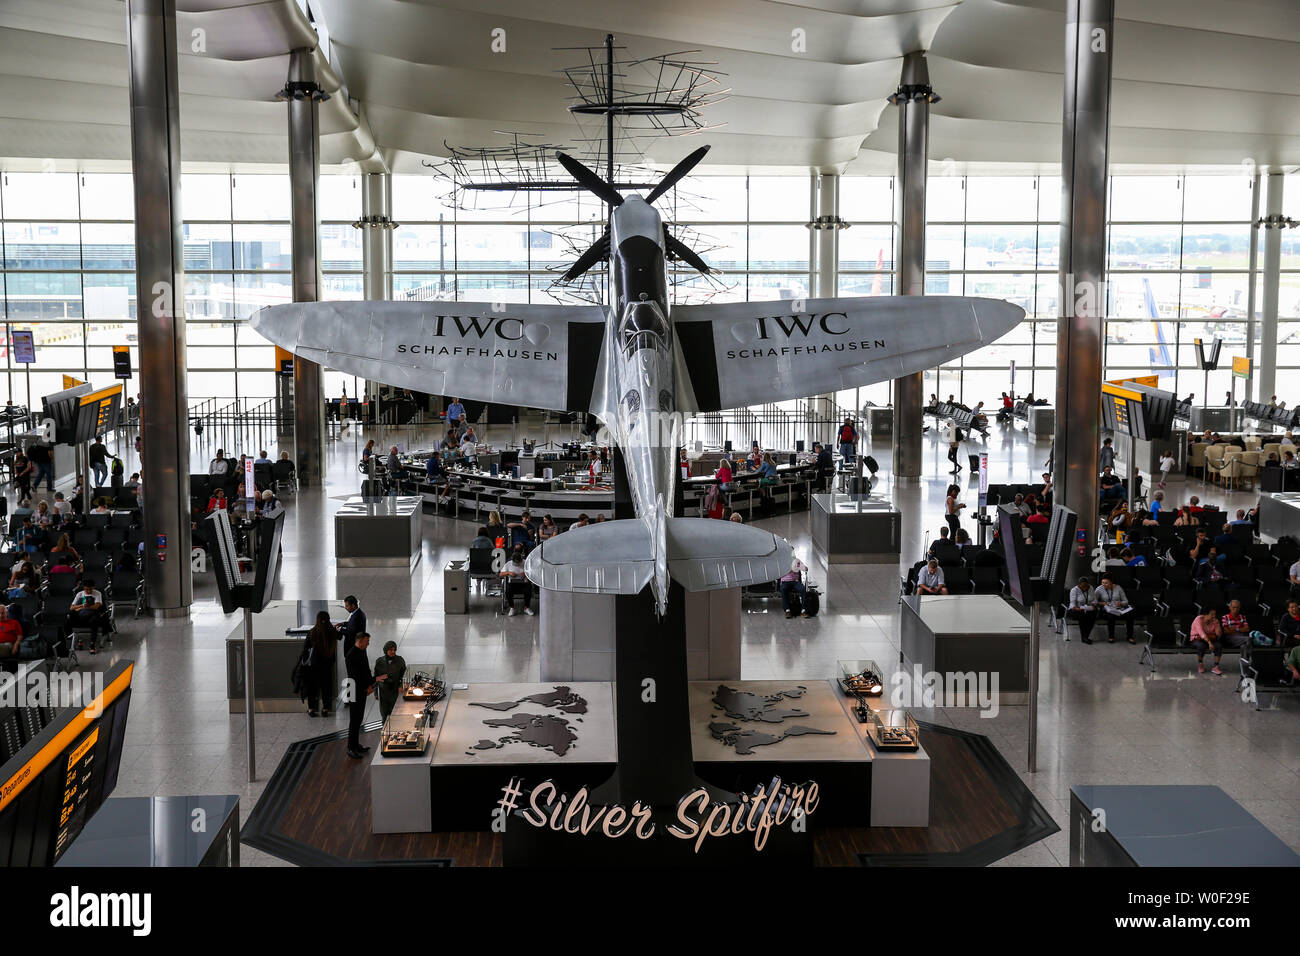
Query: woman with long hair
x: 323, y: 639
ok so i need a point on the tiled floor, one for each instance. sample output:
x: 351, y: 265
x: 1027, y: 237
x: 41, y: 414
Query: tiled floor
x: 1102, y: 718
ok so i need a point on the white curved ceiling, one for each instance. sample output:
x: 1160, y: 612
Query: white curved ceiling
x: 1196, y: 82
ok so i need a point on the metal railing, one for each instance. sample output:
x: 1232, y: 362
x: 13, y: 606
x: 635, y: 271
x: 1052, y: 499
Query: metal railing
x: 244, y: 423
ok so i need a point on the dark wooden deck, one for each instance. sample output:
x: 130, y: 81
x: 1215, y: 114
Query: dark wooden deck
x: 316, y: 811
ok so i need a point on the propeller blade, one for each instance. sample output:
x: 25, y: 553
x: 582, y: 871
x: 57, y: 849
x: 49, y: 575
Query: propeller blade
x: 676, y: 173
x: 679, y: 250
x: 587, y: 178
x: 597, y: 251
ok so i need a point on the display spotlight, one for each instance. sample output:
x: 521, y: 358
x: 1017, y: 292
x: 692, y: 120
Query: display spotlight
x: 302, y: 90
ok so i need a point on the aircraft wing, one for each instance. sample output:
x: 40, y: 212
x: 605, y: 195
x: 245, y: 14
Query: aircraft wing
x: 617, y: 557
x: 541, y: 356
x: 747, y: 353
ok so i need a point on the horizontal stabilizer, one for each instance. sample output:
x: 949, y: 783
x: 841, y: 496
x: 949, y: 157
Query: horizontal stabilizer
x: 617, y: 557
x: 613, y: 557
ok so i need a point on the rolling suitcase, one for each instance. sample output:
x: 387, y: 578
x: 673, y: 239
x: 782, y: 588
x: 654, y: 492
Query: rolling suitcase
x: 812, y: 601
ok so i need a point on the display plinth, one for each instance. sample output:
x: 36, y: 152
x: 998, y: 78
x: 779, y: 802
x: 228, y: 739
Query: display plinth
x: 962, y: 635
x: 278, y: 634
x: 378, y: 532
x: 900, y: 779
x: 401, y: 794
x: 856, y: 529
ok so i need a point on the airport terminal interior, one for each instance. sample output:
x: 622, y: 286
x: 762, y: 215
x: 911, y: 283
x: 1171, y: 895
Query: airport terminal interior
x: 786, y: 427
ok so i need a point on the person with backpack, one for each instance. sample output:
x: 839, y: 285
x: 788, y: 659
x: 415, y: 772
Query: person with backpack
x: 848, y: 438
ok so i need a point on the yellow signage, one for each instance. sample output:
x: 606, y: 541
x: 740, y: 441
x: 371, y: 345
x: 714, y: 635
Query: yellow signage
x: 70, y: 382
x: 1241, y: 366
x: 1118, y: 391
x: 1150, y: 381
x: 18, y: 782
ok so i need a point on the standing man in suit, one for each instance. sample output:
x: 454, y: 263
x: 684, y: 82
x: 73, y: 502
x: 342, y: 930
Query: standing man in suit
x: 363, y: 685
x: 354, y: 625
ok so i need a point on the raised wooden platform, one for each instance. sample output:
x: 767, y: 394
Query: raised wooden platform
x: 316, y: 812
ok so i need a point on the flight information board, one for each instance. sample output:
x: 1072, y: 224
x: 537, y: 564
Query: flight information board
x: 52, y: 787
x: 1138, y: 410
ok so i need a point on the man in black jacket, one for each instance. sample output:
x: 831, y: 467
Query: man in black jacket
x: 825, y: 465
x: 363, y: 684
x: 354, y: 625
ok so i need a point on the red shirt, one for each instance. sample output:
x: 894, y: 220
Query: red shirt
x: 1233, y: 622
x: 11, y: 632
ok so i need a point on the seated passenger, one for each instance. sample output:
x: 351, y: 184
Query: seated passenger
x: 1205, y: 636
x: 516, y: 583
x: 1080, y: 608
x: 929, y: 580
x: 792, y: 583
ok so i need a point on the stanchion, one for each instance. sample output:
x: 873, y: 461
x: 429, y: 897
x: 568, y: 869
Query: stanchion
x: 1033, y: 689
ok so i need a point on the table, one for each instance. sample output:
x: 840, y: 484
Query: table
x: 967, y: 635
x: 1168, y: 825
x: 378, y: 532
x: 856, y: 529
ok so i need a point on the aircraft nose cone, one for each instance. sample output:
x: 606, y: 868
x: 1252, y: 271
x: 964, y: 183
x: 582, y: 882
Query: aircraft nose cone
x: 276, y: 323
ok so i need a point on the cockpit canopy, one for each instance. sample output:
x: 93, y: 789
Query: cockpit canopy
x: 643, y: 327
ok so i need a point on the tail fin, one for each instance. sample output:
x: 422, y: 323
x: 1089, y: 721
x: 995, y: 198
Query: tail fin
x: 617, y: 557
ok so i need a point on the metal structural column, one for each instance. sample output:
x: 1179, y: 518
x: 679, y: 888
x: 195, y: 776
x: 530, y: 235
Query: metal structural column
x: 913, y: 100
x: 1273, y: 223
x: 304, y: 95
x: 160, y: 287
x: 1089, y: 35
x: 377, y: 226
x: 826, y: 227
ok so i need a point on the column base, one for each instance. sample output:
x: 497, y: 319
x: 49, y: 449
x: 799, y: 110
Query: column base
x: 170, y: 613
x: 908, y: 480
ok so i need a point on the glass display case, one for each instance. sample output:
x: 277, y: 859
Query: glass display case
x: 428, y: 684
x: 893, y: 730
x: 404, y: 735
x: 863, y: 678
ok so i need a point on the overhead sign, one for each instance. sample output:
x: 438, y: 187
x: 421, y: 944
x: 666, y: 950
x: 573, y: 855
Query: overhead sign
x: 121, y: 361
x: 1241, y: 366
x: 70, y: 382
x: 97, y: 412
x: 24, y: 346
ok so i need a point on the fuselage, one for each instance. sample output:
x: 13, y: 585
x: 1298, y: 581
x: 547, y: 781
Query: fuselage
x: 638, y: 402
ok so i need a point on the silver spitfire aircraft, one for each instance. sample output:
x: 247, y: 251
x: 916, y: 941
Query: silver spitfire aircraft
x: 640, y: 367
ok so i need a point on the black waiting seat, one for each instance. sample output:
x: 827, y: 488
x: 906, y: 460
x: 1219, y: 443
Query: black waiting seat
x: 1274, y: 597
x: 1178, y: 601
x: 481, y: 569
x: 986, y: 579
x: 1123, y: 576
x: 957, y: 580
x: 1271, y: 574
x: 1210, y: 597
x: 1178, y: 576
x: 1164, y: 636
x: 97, y: 521
x: 60, y: 585
x: 85, y: 539
x: 1148, y: 577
